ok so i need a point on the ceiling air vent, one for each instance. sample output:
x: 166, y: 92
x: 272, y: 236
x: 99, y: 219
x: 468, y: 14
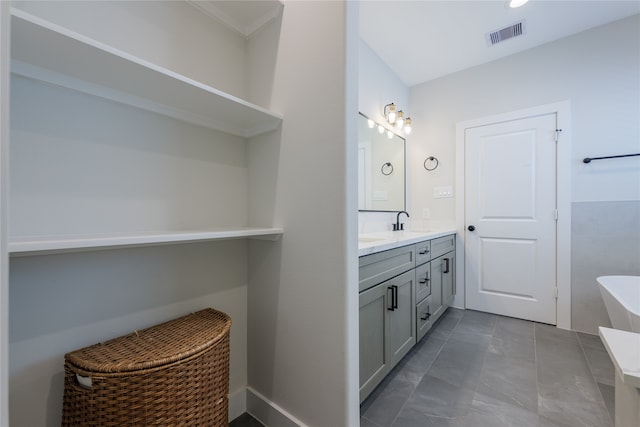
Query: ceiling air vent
x: 506, y: 33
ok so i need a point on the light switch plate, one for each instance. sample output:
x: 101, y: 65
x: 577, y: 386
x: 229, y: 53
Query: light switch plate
x: 442, y: 192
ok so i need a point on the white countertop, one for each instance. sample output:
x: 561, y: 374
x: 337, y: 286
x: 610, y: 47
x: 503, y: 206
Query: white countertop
x: 370, y: 243
x: 624, y: 349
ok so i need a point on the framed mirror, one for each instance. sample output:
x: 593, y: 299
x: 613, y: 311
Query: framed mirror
x: 381, y: 168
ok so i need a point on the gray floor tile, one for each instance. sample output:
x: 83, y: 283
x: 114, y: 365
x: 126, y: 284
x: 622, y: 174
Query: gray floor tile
x: 385, y: 402
x: 418, y: 361
x: 608, y: 395
x: 438, y: 398
x: 486, y: 411
x: 477, y: 322
x: 569, y: 412
x: 589, y: 341
x: 365, y: 422
x: 516, y: 329
x: 521, y: 350
x: 460, y: 362
x: 598, y: 359
x: 510, y: 381
x: 413, y: 417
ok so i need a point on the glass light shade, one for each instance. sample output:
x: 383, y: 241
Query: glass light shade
x: 380, y: 129
x: 371, y: 123
x: 400, y: 120
x: 389, y: 134
x: 407, y: 125
x: 390, y: 112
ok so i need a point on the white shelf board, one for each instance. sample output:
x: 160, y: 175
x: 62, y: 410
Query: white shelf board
x: 48, y: 52
x: 44, y: 245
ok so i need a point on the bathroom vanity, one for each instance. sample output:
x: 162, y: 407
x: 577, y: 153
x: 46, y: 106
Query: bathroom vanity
x: 406, y: 282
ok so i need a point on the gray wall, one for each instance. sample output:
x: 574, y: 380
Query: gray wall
x: 605, y: 240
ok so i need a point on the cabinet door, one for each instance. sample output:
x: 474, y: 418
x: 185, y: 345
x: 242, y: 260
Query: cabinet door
x: 448, y: 278
x: 436, y: 288
x: 374, y: 363
x: 402, y: 319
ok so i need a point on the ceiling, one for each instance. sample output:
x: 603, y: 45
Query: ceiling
x: 421, y: 40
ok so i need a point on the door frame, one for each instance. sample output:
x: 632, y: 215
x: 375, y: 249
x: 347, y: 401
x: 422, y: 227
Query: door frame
x: 563, y: 201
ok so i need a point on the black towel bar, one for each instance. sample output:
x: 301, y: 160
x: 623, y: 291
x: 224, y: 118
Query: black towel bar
x: 588, y: 159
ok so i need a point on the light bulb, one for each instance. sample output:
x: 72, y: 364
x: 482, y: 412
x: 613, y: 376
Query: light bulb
x: 389, y: 134
x: 380, y: 129
x: 371, y: 123
x: 400, y: 119
x: 407, y: 125
x: 390, y: 112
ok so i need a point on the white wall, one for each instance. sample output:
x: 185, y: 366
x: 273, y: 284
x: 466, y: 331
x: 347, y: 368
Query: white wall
x: 378, y: 86
x: 4, y: 186
x: 303, y: 291
x: 596, y: 70
x: 172, y: 34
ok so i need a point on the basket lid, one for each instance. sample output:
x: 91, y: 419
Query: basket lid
x: 156, y: 346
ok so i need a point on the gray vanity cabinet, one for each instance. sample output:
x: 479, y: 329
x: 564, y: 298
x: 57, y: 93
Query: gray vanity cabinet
x: 402, y: 292
x: 387, y: 324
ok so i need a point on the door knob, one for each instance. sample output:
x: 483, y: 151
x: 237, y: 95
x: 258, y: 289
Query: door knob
x: 471, y: 228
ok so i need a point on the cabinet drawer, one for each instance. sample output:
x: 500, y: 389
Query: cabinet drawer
x: 423, y: 317
x: 378, y: 267
x: 423, y: 252
x: 442, y: 245
x: 423, y: 281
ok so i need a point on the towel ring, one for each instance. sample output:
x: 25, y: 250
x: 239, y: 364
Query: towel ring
x: 431, y: 159
x: 389, y: 169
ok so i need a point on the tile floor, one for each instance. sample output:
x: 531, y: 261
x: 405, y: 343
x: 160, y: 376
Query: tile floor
x: 482, y: 370
x: 478, y: 369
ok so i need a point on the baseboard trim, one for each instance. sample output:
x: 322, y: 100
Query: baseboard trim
x: 237, y: 403
x: 267, y: 412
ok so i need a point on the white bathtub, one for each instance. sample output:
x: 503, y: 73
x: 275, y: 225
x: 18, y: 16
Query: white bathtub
x: 621, y: 295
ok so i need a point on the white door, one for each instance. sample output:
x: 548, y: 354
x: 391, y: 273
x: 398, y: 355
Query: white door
x: 510, y: 218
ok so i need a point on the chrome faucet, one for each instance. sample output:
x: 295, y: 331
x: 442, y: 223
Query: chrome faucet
x: 398, y: 225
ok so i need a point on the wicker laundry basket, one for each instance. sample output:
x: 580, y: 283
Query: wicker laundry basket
x: 172, y: 374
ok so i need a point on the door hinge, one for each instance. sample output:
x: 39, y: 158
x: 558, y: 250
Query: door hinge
x: 558, y: 134
x: 555, y: 214
x: 555, y: 292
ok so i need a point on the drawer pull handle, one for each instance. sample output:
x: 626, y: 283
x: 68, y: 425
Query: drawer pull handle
x: 426, y: 316
x: 423, y: 281
x: 395, y: 300
x: 426, y: 251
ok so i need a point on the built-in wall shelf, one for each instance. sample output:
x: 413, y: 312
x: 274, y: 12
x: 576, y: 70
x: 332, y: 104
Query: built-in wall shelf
x: 47, y: 52
x: 45, y: 245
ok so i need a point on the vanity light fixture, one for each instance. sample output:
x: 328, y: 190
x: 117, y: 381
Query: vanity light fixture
x: 396, y: 118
